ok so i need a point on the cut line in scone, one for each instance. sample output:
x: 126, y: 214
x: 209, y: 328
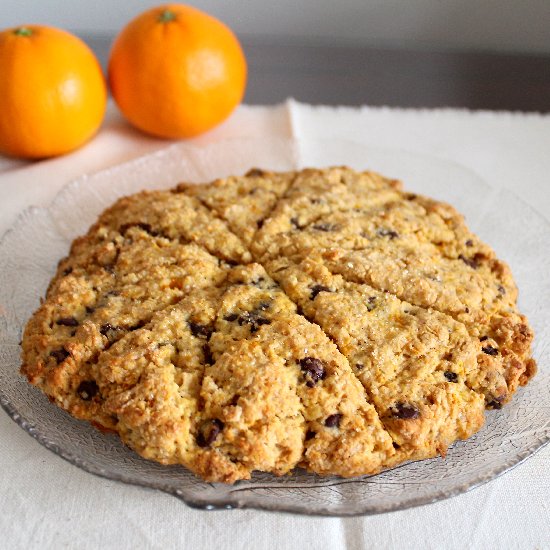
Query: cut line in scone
x: 323, y: 319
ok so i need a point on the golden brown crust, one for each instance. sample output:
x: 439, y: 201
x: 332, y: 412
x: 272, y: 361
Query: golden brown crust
x: 321, y: 318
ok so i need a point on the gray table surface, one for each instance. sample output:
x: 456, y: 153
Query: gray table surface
x: 346, y: 75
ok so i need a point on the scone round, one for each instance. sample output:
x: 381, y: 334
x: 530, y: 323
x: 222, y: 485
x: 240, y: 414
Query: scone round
x: 323, y: 319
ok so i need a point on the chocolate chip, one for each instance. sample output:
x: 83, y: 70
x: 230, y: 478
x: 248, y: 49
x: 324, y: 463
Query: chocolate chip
x: 314, y: 370
x: 316, y: 289
x: 67, y: 322
x: 209, y: 431
x: 208, y: 358
x: 90, y: 310
x: 235, y: 400
x: 383, y: 232
x: 67, y: 271
x: 333, y: 421
x: 59, y: 355
x: 396, y: 445
x: 315, y: 201
x: 258, y: 323
x: 108, y: 330
x: 469, y: 242
x: 310, y: 434
x: 406, y: 412
x: 451, y: 376
x: 264, y: 305
x: 359, y: 366
x: 490, y: 350
x: 483, y: 338
x: 296, y: 223
x: 254, y: 319
x: 258, y: 282
x: 410, y: 196
x: 259, y: 224
x: 466, y: 310
x: 471, y: 262
x: 109, y: 268
x: 231, y: 317
x: 200, y: 331
x: 371, y: 303
x: 87, y: 389
x: 501, y: 289
x: 495, y: 403
x: 325, y: 227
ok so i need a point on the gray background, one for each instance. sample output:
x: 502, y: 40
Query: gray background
x: 486, y: 25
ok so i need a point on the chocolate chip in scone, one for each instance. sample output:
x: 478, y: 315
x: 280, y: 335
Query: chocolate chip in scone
x: 67, y: 322
x: 471, y: 262
x: 469, y: 242
x: 333, y: 421
x: 396, y: 445
x: 316, y: 289
x: 359, y: 366
x: 87, y: 389
x: 451, y: 376
x: 59, y: 355
x: 483, y: 338
x: 67, y: 271
x: 208, y: 357
x: 200, y: 331
x: 371, y: 303
x: 310, y: 434
x: 254, y: 319
x: 231, y: 317
x: 296, y: 223
x: 260, y: 223
x: 490, y: 350
x: 496, y: 403
x: 390, y: 233
x: 326, y: 227
x: 89, y: 310
x: 109, y: 331
x: 501, y: 289
x: 314, y: 370
x: 208, y: 432
x: 405, y: 411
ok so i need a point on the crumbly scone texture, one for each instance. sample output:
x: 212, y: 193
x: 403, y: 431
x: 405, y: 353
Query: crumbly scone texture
x: 324, y: 319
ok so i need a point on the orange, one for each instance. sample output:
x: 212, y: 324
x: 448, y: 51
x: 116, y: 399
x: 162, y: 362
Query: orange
x: 52, y: 92
x: 176, y: 71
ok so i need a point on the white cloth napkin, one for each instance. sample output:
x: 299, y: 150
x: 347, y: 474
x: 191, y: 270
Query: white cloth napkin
x: 48, y: 503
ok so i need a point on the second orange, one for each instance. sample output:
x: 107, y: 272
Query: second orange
x: 176, y: 72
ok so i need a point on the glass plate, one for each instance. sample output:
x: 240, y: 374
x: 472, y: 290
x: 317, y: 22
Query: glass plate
x: 30, y: 250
